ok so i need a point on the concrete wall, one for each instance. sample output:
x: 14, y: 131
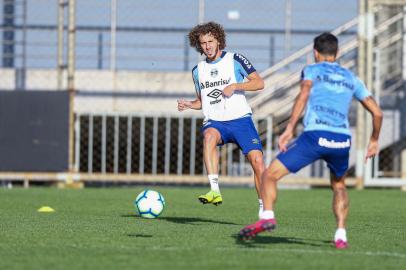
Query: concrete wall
x: 106, y: 91
x: 122, y: 91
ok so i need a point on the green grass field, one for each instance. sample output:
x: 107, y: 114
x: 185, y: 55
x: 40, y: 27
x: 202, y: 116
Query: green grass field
x: 98, y: 229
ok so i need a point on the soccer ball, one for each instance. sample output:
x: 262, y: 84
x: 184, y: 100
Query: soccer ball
x: 149, y: 203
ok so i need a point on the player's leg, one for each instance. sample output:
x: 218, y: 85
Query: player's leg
x: 300, y: 153
x: 268, y: 191
x: 211, y: 138
x: 256, y: 160
x: 245, y: 135
x: 337, y: 159
x: 340, y: 209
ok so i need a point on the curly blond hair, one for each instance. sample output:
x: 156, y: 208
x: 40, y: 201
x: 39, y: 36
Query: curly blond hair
x: 202, y: 29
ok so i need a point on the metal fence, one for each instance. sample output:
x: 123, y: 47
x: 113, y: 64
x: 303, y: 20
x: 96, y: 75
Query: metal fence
x: 150, y: 35
x: 147, y: 144
x: 114, y: 36
x: 388, y: 88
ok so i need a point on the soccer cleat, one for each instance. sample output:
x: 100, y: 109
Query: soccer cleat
x: 211, y: 197
x: 341, y: 244
x: 262, y: 225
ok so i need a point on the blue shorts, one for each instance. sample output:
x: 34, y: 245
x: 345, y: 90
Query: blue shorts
x: 240, y: 131
x: 334, y: 148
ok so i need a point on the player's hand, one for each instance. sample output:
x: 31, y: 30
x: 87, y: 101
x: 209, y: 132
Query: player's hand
x: 228, y: 91
x: 372, y: 150
x: 184, y: 104
x: 284, y: 139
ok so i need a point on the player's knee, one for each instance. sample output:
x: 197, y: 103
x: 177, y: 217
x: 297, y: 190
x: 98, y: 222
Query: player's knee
x: 258, y: 162
x: 270, y: 174
x: 338, y: 186
x: 210, y: 139
x: 254, y: 154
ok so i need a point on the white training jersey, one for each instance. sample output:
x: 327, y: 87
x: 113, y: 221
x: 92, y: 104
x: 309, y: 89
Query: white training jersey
x: 211, y: 78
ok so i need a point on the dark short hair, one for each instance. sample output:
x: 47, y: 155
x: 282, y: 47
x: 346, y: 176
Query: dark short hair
x: 202, y: 29
x: 326, y: 44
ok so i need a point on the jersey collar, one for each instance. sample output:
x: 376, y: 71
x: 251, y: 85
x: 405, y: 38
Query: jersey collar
x: 330, y: 63
x: 218, y: 60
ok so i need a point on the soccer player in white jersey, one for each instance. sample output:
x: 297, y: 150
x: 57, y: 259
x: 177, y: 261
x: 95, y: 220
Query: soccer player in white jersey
x: 220, y: 89
x: 326, y: 92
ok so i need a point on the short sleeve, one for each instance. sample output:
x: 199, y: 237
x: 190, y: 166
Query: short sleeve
x: 244, y: 65
x: 360, y: 91
x: 195, y: 75
x: 307, y: 74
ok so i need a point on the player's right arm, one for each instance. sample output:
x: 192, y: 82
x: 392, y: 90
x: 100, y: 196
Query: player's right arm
x: 297, y: 111
x: 197, y: 103
x: 186, y: 104
x: 298, y: 108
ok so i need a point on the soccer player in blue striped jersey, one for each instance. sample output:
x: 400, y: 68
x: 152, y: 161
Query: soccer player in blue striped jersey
x: 220, y: 90
x: 326, y: 92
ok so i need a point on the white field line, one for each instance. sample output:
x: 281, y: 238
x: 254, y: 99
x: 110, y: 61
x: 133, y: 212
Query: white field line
x: 238, y: 249
x: 302, y: 251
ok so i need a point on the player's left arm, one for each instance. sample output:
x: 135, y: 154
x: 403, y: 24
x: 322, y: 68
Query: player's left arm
x: 244, y: 69
x: 364, y: 96
x: 373, y: 108
x: 254, y: 82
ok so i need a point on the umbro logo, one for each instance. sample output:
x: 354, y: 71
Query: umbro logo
x: 215, y: 93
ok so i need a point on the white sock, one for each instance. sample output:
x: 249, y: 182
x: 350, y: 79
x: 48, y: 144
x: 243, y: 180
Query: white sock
x: 214, y: 182
x: 261, y: 207
x: 267, y: 214
x: 340, y: 234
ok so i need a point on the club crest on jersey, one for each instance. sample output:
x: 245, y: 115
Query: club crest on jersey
x: 214, y: 72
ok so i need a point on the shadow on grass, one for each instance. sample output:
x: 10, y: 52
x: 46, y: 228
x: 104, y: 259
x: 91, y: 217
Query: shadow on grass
x: 269, y: 239
x: 191, y: 220
x: 187, y: 220
x: 139, y: 235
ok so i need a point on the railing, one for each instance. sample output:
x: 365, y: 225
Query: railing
x: 153, y: 144
x: 305, y: 50
x: 280, y: 82
x: 125, y: 147
x: 278, y: 98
